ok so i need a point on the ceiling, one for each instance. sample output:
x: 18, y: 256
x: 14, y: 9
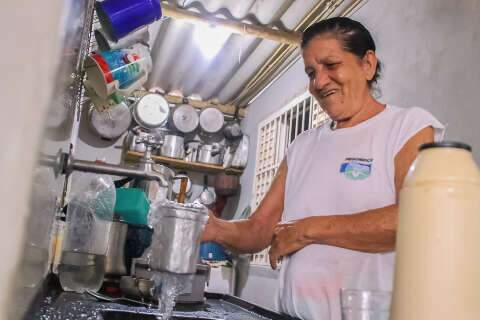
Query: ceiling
x: 211, y: 64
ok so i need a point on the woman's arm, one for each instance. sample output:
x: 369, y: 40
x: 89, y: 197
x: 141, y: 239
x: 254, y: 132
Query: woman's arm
x: 369, y: 231
x: 255, y: 233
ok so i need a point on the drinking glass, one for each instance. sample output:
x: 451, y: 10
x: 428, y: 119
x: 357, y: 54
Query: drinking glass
x: 365, y: 304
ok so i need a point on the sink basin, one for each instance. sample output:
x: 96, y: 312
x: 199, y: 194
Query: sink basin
x: 125, y: 315
x: 118, y: 315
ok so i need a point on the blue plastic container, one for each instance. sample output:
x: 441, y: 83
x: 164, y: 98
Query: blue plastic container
x: 212, y: 251
x: 120, y: 17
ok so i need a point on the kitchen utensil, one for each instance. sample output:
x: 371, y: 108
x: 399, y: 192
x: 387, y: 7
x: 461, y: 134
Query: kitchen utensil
x: 228, y: 156
x: 176, y: 184
x: 211, y: 120
x: 192, y: 151
x: 183, y: 189
x: 120, y: 17
x: 118, y: 71
x: 106, y: 298
x: 241, y: 154
x: 115, y: 258
x: 197, y: 292
x: 209, y: 153
x: 185, y: 118
x: 176, y: 240
x: 232, y: 131
x: 207, y: 197
x: 151, y: 111
x: 137, y: 287
x: 173, y: 147
x: 111, y: 123
x: 226, y: 184
x: 365, y: 304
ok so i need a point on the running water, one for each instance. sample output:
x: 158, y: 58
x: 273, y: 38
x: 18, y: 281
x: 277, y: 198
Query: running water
x: 167, y: 287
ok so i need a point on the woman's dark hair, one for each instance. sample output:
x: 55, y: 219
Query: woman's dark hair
x: 352, y: 34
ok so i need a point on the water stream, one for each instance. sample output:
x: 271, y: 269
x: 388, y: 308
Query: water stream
x: 167, y: 287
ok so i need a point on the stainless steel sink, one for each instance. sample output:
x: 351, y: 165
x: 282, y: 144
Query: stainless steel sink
x: 125, y: 315
x: 118, y: 315
x: 68, y: 305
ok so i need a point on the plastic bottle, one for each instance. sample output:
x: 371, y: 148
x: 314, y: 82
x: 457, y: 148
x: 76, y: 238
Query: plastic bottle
x: 89, y: 217
x: 438, y: 260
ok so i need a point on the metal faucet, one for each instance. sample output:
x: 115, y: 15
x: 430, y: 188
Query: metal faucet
x: 64, y: 163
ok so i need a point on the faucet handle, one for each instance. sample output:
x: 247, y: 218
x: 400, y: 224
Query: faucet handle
x: 150, y: 141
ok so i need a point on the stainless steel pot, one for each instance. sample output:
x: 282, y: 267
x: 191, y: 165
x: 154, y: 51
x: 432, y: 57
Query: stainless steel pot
x: 197, y: 293
x: 173, y: 147
x: 115, y: 256
x: 139, y: 286
x: 192, y: 151
x: 232, y: 131
x: 209, y: 153
x: 184, y: 118
x: 211, y: 120
x: 176, y: 239
x: 111, y: 123
x: 151, y: 111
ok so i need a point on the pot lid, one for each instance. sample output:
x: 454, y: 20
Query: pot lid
x: 185, y: 118
x: 151, y: 111
x: 211, y: 120
x: 112, y: 123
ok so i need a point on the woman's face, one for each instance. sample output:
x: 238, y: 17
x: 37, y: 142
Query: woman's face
x: 338, y: 78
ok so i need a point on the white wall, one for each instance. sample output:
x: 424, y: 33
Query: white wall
x: 430, y: 50
x: 26, y: 83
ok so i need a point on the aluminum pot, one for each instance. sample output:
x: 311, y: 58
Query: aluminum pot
x: 209, y: 154
x: 211, y: 120
x: 173, y: 147
x: 184, y: 118
x: 115, y: 256
x: 176, y: 239
x: 139, y: 285
x: 192, y: 151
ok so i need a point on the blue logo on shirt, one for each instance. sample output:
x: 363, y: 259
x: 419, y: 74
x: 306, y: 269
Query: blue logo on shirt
x: 356, y: 168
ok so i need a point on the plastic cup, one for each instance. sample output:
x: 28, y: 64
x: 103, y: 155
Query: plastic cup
x: 365, y: 304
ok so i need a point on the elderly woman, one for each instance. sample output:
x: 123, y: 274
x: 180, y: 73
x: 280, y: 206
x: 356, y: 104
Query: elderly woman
x: 331, y: 212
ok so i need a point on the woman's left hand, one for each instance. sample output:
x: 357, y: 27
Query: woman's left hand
x: 288, y: 237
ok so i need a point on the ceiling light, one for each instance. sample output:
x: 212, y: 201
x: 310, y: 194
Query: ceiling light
x: 210, y: 38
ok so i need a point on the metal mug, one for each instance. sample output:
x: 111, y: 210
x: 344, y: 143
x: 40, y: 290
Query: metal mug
x: 115, y: 256
x: 176, y: 239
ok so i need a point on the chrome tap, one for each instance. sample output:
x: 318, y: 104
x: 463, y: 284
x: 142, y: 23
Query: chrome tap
x: 147, y: 170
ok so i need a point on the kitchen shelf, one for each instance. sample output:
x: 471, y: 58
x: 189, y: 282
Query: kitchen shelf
x: 132, y: 156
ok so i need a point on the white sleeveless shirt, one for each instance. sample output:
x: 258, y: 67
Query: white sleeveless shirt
x: 342, y: 171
